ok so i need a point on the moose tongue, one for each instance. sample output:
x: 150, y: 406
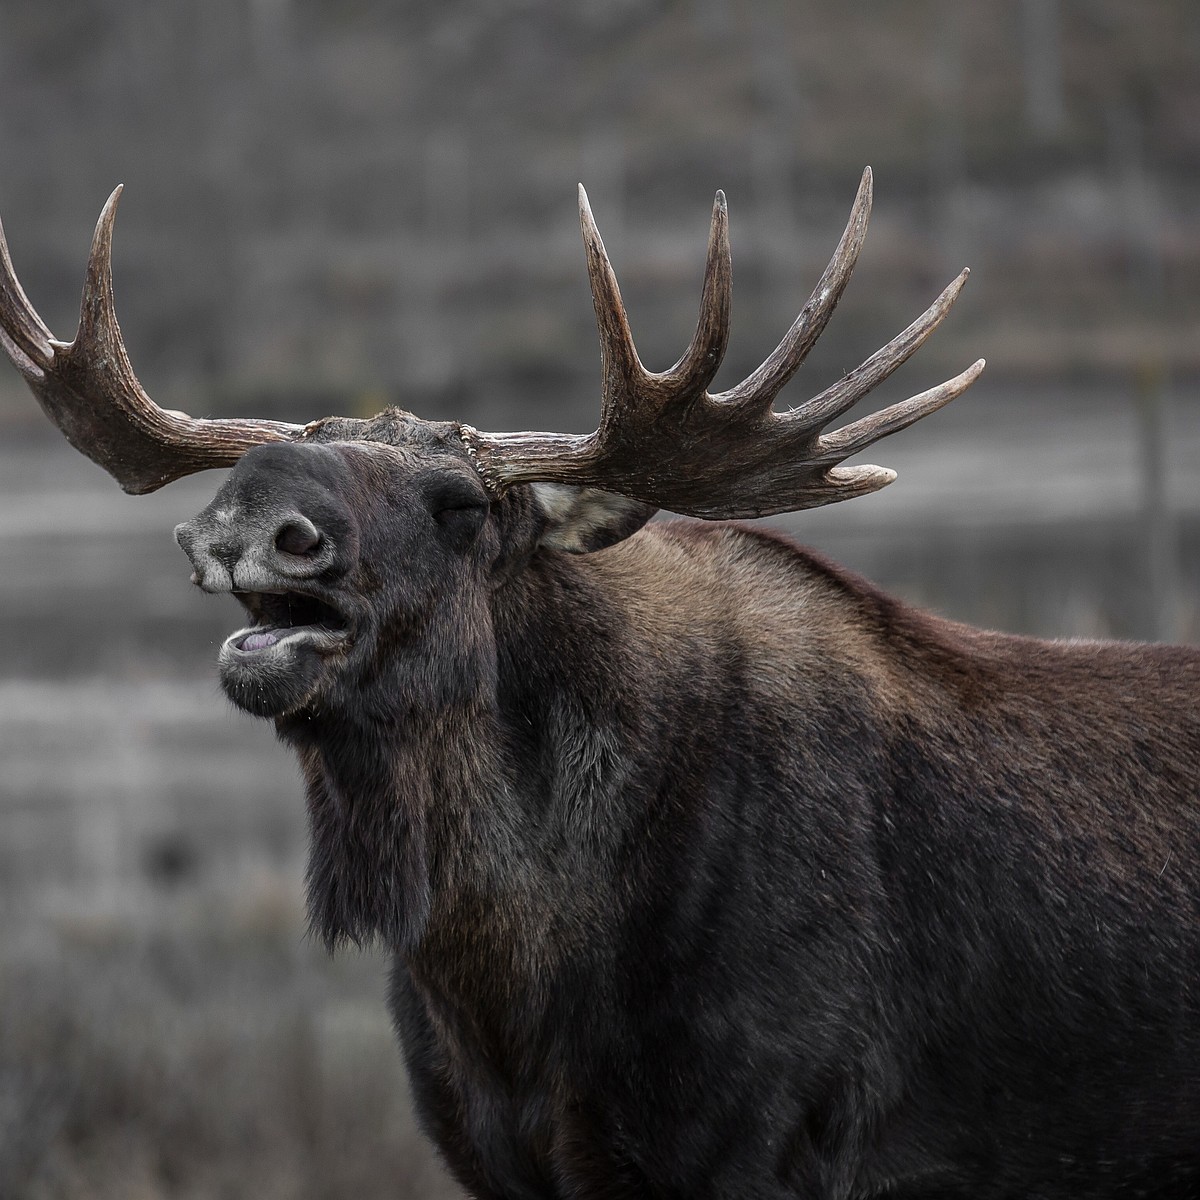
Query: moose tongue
x: 256, y: 641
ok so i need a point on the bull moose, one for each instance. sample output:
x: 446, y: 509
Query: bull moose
x: 709, y: 870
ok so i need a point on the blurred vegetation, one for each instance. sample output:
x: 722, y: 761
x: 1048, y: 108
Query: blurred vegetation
x: 166, y: 1027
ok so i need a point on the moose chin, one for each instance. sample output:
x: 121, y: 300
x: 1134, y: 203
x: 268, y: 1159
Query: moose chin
x: 707, y: 868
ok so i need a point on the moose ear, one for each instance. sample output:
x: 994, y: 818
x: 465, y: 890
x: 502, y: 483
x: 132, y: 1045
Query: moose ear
x: 582, y: 519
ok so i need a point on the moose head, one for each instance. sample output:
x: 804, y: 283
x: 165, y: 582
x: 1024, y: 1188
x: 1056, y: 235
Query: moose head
x: 344, y: 538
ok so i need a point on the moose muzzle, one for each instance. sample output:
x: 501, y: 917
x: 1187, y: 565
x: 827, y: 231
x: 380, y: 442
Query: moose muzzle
x: 241, y: 552
x: 283, y: 564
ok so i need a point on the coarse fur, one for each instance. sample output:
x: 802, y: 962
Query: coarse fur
x: 710, y: 870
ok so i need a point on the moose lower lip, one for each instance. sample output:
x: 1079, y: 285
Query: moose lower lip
x: 257, y: 641
x: 270, y: 669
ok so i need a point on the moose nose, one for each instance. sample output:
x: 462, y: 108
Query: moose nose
x: 297, y: 536
x: 241, y: 552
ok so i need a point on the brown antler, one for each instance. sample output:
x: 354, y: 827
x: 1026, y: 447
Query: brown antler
x: 665, y: 440
x: 89, y: 390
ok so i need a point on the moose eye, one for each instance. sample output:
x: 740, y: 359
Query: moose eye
x: 461, y: 525
x: 458, y: 512
x: 453, y: 495
x: 459, y: 509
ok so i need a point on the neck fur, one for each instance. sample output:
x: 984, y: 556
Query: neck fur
x: 472, y: 809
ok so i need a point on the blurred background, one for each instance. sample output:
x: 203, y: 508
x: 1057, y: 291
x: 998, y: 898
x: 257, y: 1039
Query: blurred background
x: 336, y: 206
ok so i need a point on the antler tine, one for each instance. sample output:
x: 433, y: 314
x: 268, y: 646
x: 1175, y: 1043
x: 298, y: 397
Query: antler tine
x: 702, y: 359
x: 99, y: 334
x: 759, y: 389
x: 23, y: 334
x: 816, y: 413
x: 88, y: 389
x: 858, y: 435
x: 619, y: 356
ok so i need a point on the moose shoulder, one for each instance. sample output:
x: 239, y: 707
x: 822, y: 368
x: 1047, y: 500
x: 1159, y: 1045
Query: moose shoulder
x: 708, y: 868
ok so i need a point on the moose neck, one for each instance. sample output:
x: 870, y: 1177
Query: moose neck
x: 424, y: 810
x: 389, y: 764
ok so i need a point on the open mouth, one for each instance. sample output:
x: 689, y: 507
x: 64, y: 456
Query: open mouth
x: 288, y: 616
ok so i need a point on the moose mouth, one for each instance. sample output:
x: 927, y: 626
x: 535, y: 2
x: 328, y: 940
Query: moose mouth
x: 281, y: 662
x: 287, y: 618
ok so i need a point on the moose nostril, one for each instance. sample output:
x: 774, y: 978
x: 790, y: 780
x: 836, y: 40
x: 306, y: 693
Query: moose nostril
x: 297, y: 537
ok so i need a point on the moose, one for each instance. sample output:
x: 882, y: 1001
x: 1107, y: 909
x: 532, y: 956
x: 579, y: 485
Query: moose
x: 708, y: 869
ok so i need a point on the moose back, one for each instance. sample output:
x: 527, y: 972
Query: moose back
x: 709, y: 870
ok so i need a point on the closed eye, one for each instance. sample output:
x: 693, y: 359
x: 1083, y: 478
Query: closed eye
x: 444, y: 516
x: 455, y: 494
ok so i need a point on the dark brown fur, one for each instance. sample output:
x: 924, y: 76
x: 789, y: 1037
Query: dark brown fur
x: 712, y: 871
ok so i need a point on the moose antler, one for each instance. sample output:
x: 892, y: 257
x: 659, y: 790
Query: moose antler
x: 664, y: 439
x: 88, y: 389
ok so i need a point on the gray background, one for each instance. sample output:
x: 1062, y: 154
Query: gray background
x: 338, y: 206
